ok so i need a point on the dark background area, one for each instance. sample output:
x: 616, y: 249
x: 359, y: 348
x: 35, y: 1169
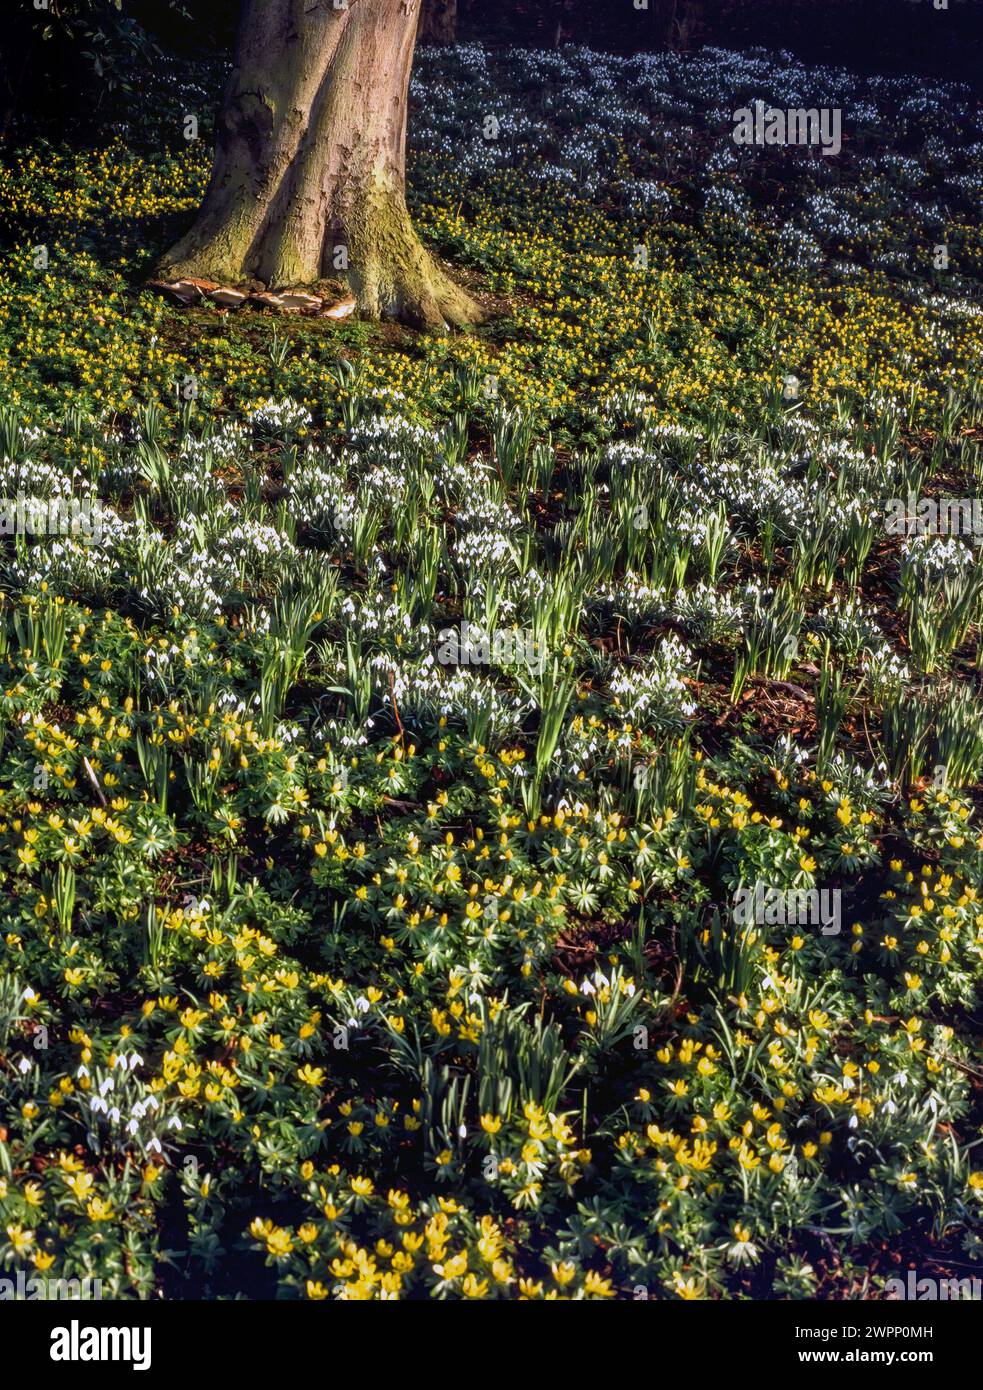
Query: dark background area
x: 872, y: 35
x: 67, y: 61
x: 907, y: 35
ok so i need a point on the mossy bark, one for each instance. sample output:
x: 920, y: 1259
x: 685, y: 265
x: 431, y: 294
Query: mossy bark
x: 310, y: 163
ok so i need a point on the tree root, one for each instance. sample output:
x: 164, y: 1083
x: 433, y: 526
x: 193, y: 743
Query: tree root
x: 413, y: 290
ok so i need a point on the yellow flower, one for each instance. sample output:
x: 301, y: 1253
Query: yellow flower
x: 81, y: 1184
x: 279, y: 1242
x: 20, y: 1239
x: 100, y: 1210
x: 687, y: 1289
x: 456, y: 1266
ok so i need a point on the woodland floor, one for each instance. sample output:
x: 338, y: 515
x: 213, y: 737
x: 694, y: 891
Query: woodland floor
x: 340, y: 959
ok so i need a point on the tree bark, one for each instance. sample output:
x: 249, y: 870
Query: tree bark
x: 309, y: 175
x: 679, y: 22
x: 439, y: 22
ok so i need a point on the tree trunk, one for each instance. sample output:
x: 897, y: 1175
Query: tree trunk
x: 439, y: 22
x: 310, y: 162
x: 679, y: 21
